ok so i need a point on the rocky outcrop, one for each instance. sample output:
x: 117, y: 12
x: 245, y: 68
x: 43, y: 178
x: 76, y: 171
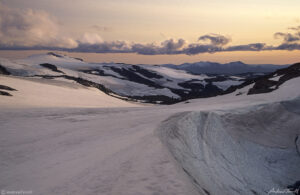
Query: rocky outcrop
x: 269, y: 82
x: 4, y: 87
x: 4, y: 93
x: 51, y: 67
x: 272, y: 81
x: 3, y: 70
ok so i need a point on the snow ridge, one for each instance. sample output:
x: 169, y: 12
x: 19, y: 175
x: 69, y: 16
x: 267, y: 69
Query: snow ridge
x: 250, y: 150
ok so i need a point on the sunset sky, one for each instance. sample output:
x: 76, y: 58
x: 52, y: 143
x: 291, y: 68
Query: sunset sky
x: 153, y: 31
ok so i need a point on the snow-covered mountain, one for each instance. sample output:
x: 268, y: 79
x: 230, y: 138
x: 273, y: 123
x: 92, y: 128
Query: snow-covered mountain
x: 269, y: 82
x: 227, y: 68
x: 147, y: 83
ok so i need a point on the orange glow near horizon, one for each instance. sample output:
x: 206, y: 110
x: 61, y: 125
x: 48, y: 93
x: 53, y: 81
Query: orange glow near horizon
x: 262, y: 57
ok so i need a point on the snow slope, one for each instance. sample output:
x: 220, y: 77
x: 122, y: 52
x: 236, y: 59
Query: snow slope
x: 107, y: 151
x: 36, y: 92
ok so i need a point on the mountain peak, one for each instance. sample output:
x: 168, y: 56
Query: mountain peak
x: 237, y: 62
x: 54, y: 54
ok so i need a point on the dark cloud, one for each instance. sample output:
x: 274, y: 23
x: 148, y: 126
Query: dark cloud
x: 288, y: 46
x: 248, y: 47
x: 291, y: 41
x: 170, y: 46
x: 198, y: 48
x: 288, y: 37
x: 147, y: 49
x: 194, y: 49
x: 215, y: 39
x: 104, y: 47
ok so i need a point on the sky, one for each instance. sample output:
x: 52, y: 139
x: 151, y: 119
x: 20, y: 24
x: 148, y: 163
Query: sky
x: 153, y: 31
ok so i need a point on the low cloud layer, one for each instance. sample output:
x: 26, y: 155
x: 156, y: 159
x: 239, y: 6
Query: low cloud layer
x: 36, y: 29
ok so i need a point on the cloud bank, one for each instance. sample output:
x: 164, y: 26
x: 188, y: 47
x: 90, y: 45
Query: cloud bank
x: 36, y: 29
x: 30, y: 28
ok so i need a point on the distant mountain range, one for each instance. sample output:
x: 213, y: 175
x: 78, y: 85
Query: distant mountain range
x: 227, y: 68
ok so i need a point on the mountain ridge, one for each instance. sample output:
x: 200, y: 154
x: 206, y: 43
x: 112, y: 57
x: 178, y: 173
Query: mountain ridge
x: 236, y: 67
x: 144, y: 83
